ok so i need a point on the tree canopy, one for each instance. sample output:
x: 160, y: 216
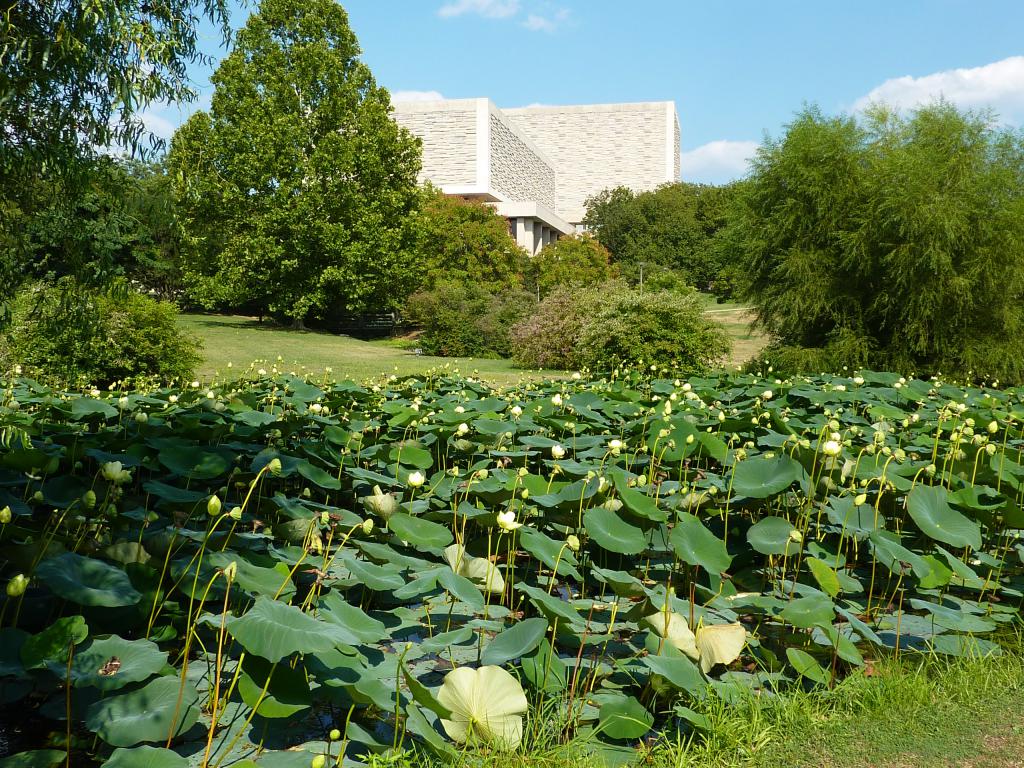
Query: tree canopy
x: 671, y: 227
x: 295, y: 190
x: 887, y: 240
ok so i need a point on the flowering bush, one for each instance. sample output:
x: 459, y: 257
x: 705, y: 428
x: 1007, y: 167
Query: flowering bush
x: 603, y: 326
x: 66, y: 333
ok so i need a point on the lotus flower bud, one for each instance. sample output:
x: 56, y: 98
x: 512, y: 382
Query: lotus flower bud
x: 231, y: 570
x: 335, y: 734
x: 318, y: 762
x: 213, y: 506
x: 572, y: 542
x: 16, y: 586
x: 5, y: 515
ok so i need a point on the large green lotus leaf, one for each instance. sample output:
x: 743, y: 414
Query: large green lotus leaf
x: 859, y: 520
x: 318, y: 476
x: 773, y: 536
x: 145, y: 757
x: 887, y: 549
x: 549, y: 552
x: 146, y: 714
x: 623, y: 717
x: 622, y: 583
x: 445, y: 640
x: 421, y: 534
x: 87, y: 581
x: 806, y: 666
x: 172, y: 493
x: 545, y: 671
x: 951, y: 618
x: 85, y: 407
x: 194, y: 464
x: 286, y: 689
x: 462, y: 588
x: 36, y: 758
x: 379, y: 578
x: 806, y: 612
x: 423, y: 695
x: 964, y: 645
x: 411, y: 456
x: 357, y: 627
x: 273, y: 630
x: 696, y: 545
x: 558, y: 611
x: 928, y: 505
x: 826, y: 577
x: 679, y: 671
x: 418, y: 724
x: 640, y: 504
x: 112, y: 662
x: 760, y: 477
x: 613, y: 533
x: 52, y: 643
x: 270, y: 581
x: 515, y: 642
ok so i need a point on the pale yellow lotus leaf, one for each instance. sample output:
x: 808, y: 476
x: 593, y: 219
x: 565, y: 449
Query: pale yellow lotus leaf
x: 479, y: 570
x: 720, y: 644
x: 487, y: 704
x: 676, y: 631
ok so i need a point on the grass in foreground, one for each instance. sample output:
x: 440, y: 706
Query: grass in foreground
x: 242, y: 340
x: 939, y: 713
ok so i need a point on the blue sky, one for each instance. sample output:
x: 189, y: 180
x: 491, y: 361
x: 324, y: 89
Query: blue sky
x: 737, y: 69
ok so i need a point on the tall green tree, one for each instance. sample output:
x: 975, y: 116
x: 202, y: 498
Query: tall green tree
x: 296, y: 190
x: 75, y: 77
x: 888, y: 240
x: 671, y: 227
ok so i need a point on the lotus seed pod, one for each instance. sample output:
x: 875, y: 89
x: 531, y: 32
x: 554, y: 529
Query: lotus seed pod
x: 16, y: 586
x: 235, y: 513
x: 231, y: 570
x: 274, y: 467
x: 572, y: 542
x: 368, y: 526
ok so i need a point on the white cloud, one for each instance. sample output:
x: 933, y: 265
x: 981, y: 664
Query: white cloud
x: 999, y: 85
x: 403, y: 96
x: 717, y: 162
x: 491, y: 9
x: 157, y: 124
x: 538, y: 23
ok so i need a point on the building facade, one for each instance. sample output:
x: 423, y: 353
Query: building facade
x: 538, y: 165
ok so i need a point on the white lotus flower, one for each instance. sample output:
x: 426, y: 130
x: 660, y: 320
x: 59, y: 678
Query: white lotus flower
x: 507, y: 521
x: 486, y: 704
x: 831, y: 448
x: 557, y: 452
x: 479, y: 570
x: 114, y: 472
x: 416, y: 479
x: 713, y: 644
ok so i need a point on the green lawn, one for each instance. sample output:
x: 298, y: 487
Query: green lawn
x: 244, y: 342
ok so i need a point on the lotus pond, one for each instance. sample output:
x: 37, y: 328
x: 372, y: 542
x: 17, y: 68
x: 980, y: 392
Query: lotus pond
x: 299, y: 572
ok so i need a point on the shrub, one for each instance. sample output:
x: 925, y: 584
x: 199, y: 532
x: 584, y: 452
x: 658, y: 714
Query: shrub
x: 571, y: 261
x: 548, y: 337
x: 64, y: 333
x: 599, y: 328
x: 664, y: 328
x: 463, y: 319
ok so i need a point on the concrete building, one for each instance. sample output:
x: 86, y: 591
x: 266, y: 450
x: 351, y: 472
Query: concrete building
x: 538, y: 165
